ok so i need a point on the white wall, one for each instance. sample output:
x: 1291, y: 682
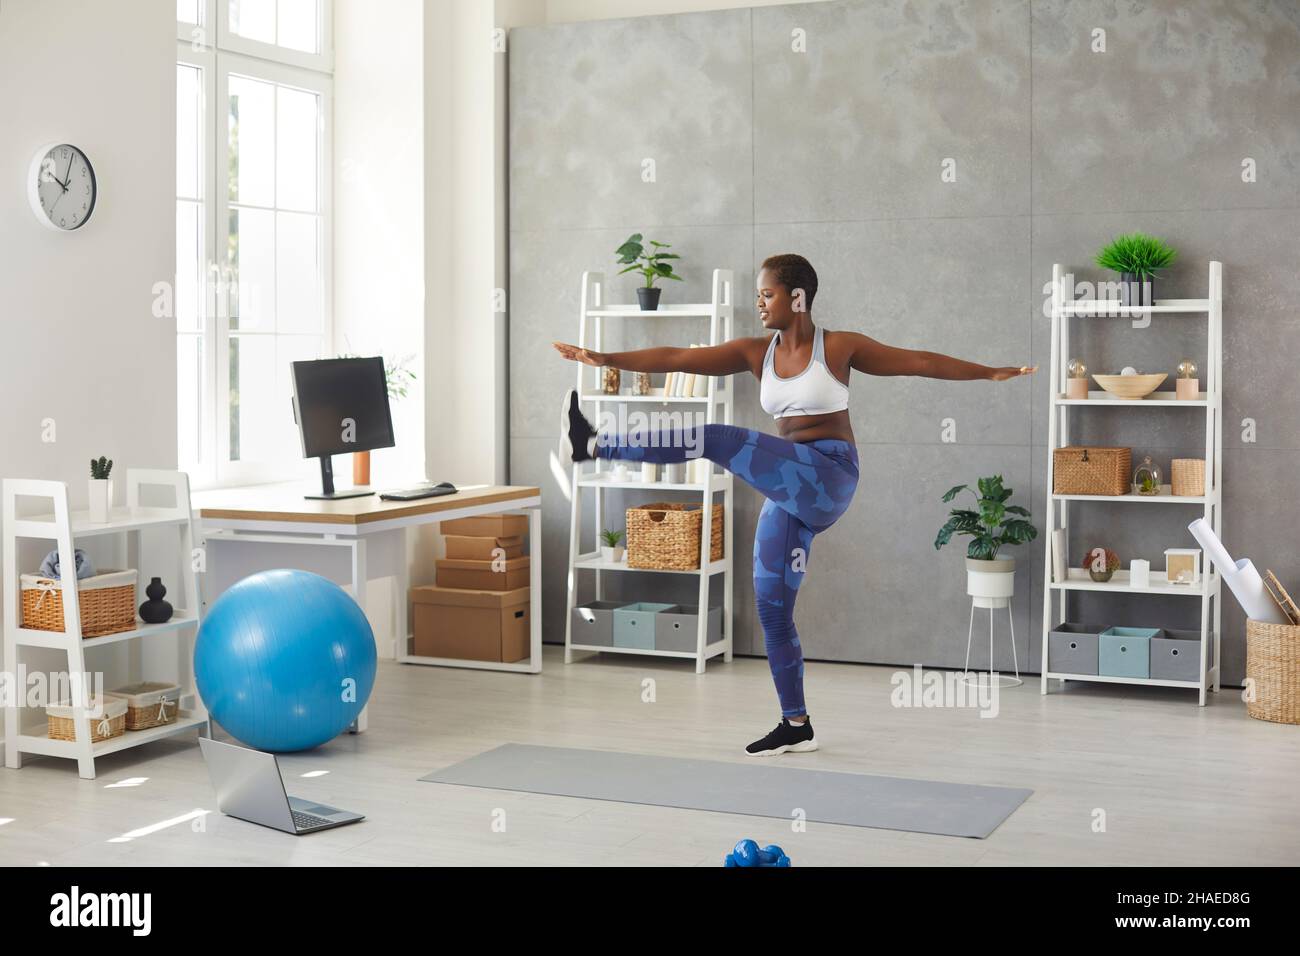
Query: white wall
x: 379, y: 207
x: 568, y: 11
x: 80, y: 343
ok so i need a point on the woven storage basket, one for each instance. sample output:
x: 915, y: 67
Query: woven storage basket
x: 665, y: 536
x: 150, y: 704
x: 107, y: 602
x: 1187, y: 477
x: 107, y: 719
x: 1273, y: 666
x: 1079, y: 470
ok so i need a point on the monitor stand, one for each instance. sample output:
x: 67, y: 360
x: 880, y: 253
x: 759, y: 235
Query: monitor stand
x: 327, y: 484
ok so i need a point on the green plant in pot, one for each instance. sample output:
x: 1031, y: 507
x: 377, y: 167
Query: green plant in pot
x: 1101, y: 563
x: 990, y: 525
x: 101, y: 489
x: 653, y: 265
x: 1137, y: 258
x: 611, y: 545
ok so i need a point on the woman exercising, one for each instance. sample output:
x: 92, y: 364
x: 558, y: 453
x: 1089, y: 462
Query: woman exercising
x: 808, y: 474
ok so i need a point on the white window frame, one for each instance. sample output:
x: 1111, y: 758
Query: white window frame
x: 276, y: 65
x: 322, y: 62
x: 206, y: 471
x: 197, y: 33
x: 243, y: 472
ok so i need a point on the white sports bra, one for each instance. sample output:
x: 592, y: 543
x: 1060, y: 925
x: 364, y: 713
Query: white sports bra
x: 814, y: 391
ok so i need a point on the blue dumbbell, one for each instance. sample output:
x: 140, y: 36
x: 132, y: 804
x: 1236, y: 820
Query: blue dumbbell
x: 747, y: 853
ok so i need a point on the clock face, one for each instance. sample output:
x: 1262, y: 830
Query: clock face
x: 62, y: 187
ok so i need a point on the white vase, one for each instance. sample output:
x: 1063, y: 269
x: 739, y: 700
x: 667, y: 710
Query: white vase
x: 101, y: 497
x: 611, y: 554
x: 991, y: 583
x: 649, y: 471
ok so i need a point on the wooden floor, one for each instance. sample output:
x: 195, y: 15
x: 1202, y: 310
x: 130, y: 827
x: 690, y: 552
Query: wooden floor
x: 1177, y: 784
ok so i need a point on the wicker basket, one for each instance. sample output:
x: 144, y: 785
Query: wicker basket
x: 1078, y: 470
x: 1273, y: 668
x: 665, y: 536
x: 1187, y: 477
x: 150, y: 704
x: 107, y: 602
x: 107, y: 719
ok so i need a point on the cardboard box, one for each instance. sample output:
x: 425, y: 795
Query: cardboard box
x: 482, y: 549
x: 483, y: 575
x: 487, y: 526
x: 472, y: 625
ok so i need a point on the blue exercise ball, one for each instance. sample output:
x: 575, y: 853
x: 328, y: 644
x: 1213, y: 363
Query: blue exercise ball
x: 285, y: 660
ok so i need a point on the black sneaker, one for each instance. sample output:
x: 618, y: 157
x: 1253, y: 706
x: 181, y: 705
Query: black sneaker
x: 785, y: 738
x: 575, y: 430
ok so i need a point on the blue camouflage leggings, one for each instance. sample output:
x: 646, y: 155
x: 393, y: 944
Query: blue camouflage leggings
x: 807, y: 485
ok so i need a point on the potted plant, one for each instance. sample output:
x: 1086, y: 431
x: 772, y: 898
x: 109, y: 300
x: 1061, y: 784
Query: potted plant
x: 610, y: 549
x: 101, y: 489
x: 1137, y: 258
x: 651, y: 265
x: 398, y: 377
x: 1101, y: 563
x: 991, y: 524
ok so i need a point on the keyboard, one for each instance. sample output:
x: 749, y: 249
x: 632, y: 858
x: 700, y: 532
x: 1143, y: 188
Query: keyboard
x: 420, y: 491
x: 309, y: 821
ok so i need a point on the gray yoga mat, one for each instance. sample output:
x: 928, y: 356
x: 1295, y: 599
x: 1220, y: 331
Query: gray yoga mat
x: 752, y: 789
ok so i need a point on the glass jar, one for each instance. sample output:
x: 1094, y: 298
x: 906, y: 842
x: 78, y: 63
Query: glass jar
x: 611, y: 380
x: 1146, y: 478
x: 640, y: 383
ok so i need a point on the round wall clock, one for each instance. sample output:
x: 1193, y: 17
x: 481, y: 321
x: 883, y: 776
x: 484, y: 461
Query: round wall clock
x: 61, y: 187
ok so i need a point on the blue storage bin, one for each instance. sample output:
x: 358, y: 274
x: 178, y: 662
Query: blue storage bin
x: 1125, y: 651
x: 634, y: 624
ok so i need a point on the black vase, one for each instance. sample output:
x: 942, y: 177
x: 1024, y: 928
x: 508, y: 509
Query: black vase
x: 1135, y: 290
x: 648, y: 299
x: 155, y: 610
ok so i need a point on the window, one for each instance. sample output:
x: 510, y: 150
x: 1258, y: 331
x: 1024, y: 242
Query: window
x: 252, y: 232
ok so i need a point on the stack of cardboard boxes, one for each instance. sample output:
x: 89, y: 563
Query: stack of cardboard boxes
x: 479, y: 609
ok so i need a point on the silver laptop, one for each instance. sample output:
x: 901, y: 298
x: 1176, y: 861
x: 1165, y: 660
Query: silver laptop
x: 249, y: 786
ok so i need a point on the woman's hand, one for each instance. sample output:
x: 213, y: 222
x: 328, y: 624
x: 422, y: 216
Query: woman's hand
x: 585, y: 356
x: 1002, y: 374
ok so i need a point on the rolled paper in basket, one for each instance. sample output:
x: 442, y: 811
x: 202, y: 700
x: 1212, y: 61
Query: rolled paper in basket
x: 1251, y: 594
x: 1246, y: 584
x: 1214, y: 549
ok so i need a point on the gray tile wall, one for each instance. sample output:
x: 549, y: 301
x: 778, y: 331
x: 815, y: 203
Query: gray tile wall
x: 836, y: 153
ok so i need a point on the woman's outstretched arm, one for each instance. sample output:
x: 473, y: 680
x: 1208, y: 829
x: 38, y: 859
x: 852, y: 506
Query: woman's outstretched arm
x: 876, y: 358
x: 731, y: 357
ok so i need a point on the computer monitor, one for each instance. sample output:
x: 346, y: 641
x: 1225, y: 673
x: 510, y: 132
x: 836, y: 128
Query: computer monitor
x: 341, y: 406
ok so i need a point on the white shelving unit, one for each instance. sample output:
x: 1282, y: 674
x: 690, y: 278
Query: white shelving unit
x: 1208, y: 589
x: 65, y: 527
x: 718, y: 406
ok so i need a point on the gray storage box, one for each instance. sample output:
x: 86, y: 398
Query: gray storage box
x: 634, y: 624
x: 1072, y: 648
x: 593, y: 623
x: 675, y: 630
x: 1176, y: 655
x: 1125, y: 651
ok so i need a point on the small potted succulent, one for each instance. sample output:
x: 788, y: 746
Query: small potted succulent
x: 1101, y: 563
x: 1137, y: 258
x: 990, y: 525
x: 101, y: 489
x: 653, y: 265
x: 611, y: 545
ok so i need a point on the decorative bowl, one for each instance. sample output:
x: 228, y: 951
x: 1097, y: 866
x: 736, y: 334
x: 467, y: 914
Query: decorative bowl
x: 1131, y: 386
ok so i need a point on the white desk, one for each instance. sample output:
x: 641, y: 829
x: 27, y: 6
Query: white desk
x: 279, y: 514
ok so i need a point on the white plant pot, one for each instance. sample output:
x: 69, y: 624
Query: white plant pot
x: 991, y: 583
x: 101, y: 497
x: 611, y: 554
